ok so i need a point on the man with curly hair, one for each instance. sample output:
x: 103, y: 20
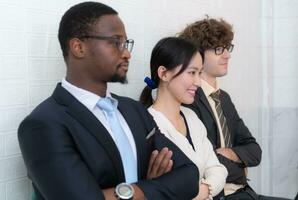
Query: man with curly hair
x: 235, y: 146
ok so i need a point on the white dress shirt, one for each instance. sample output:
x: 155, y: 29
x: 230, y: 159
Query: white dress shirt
x: 208, y: 89
x: 211, y: 171
x: 90, y: 100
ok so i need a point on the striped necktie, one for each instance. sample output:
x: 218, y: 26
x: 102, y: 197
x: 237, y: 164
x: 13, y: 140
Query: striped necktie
x: 222, y: 119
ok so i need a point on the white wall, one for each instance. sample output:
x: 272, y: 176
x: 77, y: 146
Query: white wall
x: 31, y: 65
x: 280, y: 105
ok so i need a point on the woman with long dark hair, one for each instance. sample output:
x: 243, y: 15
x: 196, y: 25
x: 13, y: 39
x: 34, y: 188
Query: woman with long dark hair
x: 175, y: 72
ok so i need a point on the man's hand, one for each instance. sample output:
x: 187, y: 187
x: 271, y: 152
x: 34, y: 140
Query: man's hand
x: 228, y: 153
x: 160, y: 163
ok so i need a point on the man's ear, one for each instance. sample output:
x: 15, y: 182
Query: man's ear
x: 77, y: 47
x: 163, y: 73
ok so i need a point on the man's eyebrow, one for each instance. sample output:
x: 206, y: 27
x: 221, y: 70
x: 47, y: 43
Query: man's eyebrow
x: 119, y: 36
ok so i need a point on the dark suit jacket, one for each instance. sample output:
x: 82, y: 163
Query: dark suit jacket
x: 244, y: 144
x: 71, y: 156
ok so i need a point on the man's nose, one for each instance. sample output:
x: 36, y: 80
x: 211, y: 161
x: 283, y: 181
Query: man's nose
x: 126, y: 54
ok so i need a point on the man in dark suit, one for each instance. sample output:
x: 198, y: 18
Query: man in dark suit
x: 235, y: 146
x: 84, y: 142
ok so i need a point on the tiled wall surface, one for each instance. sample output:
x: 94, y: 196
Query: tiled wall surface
x: 280, y: 106
x: 31, y: 65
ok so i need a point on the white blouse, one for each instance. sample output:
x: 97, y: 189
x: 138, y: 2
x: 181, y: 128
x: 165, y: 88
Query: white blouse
x: 211, y: 171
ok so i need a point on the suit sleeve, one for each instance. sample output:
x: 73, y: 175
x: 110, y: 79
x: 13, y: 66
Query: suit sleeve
x: 245, y: 145
x: 236, y: 172
x: 53, y: 162
x: 181, y: 182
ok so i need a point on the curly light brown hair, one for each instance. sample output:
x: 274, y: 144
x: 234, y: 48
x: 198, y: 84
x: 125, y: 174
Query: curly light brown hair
x: 208, y: 33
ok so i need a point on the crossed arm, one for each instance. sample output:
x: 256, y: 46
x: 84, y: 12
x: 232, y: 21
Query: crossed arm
x: 159, y: 164
x: 59, y: 172
x: 244, y: 153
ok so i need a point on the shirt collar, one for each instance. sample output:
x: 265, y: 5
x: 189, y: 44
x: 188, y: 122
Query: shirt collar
x: 207, y: 88
x: 86, y: 97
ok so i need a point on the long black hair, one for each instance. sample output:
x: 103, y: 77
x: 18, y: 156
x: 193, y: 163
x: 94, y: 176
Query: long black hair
x: 169, y: 52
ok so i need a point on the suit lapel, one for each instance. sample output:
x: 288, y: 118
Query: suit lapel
x: 205, y: 102
x: 91, y: 123
x: 135, y: 124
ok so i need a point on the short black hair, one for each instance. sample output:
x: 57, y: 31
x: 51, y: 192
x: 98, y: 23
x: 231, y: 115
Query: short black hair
x: 78, y: 21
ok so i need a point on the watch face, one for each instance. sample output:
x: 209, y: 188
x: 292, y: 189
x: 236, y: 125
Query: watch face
x: 125, y: 190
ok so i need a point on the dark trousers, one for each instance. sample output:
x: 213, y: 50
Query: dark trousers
x: 247, y: 193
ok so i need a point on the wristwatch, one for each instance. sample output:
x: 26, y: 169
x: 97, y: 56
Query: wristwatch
x: 124, y: 191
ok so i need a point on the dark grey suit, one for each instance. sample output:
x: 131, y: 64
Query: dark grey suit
x: 244, y: 144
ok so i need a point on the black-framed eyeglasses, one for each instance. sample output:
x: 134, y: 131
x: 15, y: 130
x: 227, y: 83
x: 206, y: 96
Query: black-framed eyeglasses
x: 121, y: 45
x: 220, y: 50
